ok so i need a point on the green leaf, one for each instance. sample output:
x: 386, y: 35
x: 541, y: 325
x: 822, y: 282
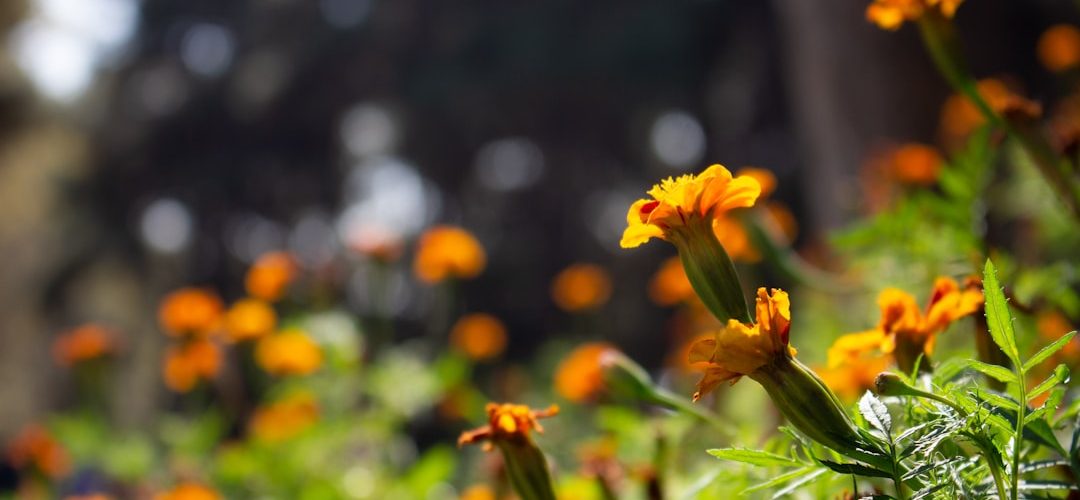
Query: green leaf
x: 781, y: 479
x: 856, y: 469
x: 875, y: 413
x: 998, y: 317
x: 752, y: 457
x: 999, y: 373
x: 1060, y: 376
x: 799, y: 483
x: 1048, y: 351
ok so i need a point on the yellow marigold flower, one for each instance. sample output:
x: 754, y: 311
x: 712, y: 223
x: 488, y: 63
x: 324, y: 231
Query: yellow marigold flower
x: 189, y: 491
x: 190, y: 311
x: 917, y: 164
x: 249, y: 319
x: 741, y: 349
x: 291, y: 352
x: 479, y: 336
x: 33, y: 448
x: 83, y: 343
x: 478, y: 492
x: 185, y: 365
x: 891, y: 14
x: 580, y: 376
x: 1059, y: 47
x: 581, y: 287
x: 284, y: 419
x: 448, y: 252
x: 507, y: 422
x: 670, y: 285
x: 851, y: 379
x: 270, y: 276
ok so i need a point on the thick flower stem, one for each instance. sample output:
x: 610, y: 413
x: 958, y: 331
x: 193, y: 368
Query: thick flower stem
x: 710, y: 271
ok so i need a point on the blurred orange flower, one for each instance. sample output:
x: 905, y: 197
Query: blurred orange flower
x: 377, y: 242
x: 891, y: 14
x: 507, y: 422
x: 478, y: 492
x: 853, y: 377
x: 669, y: 285
x: 960, y: 117
x: 580, y: 375
x: 1059, y: 48
x: 735, y: 240
x: 1051, y: 325
x: 82, y: 343
x: 291, y: 352
x: 479, y: 336
x: 189, y: 491
x: 581, y: 287
x: 448, y: 252
x: 190, y: 311
x: 188, y: 363
x: 270, y: 276
x: 281, y: 420
x: 915, y: 163
x: 34, y: 448
x: 249, y: 319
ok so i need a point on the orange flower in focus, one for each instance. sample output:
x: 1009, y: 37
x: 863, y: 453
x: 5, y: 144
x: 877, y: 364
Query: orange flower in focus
x: 478, y: 492
x: 448, y: 252
x: 187, y: 364
x: 507, y: 422
x: 249, y: 319
x: 581, y: 287
x: 580, y: 376
x: 291, y: 352
x: 190, y: 311
x: 284, y: 419
x: 189, y: 491
x: 33, y: 447
x: 960, y: 117
x: 891, y: 14
x: 1059, y: 48
x: 670, y: 285
x: 82, y: 344
x: 479, y: 336
x: 853, y: 378
x: 917, y: 164
x: 270, y: 276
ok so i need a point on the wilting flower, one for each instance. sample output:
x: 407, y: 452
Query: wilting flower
x: 189, y: 491
x: 83, y: 343
x: 580, y: 375
x: 479, y: 336
x: 581, y: 287
x: 669, y: 285
x: 188, y: 363
x: 249, y: 319
x: 891, y: 14
x: 190, y: 311
x: 270, y: 276
x: 915, y: 163
x: 291, y: 352
x: 284, y: 419
x: 904, y: 330
x: 507, y: 423
x: 448, y: 252
x: 741, y: 349
x: 1059, y: 48
x: 853, y: 377
x: 33, y: 448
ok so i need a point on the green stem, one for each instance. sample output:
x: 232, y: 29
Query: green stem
x: 1018, y: 440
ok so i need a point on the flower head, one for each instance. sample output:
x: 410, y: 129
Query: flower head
x: 189, y: 491
x: 281, y: 420
x: 83, y: 343
x: 581, y: 287
x: 507, y: 422
x: 186, y: 364
x: 448, y: 252
x: 915, y: 163
x: 740, y: 349
x: 249, y: 319
x: 891, y: 14
x: 960, y: 117
x: 291, y: 352
x: 270, y: 276
x: 669, y: 285
x: 580, y: 375
x: 34, y: 448
x: 190, y: 311
x: 479, y: 336
x: 1059, y: 48
x: 851, y: 378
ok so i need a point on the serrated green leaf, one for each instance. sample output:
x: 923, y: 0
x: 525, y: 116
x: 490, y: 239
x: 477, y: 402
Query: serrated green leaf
x: 752, y: 457
x: 1048, y: 351
x: 875, y: 413
x: 998, y: 317
x: 856, y: 469
x: 1060, y: 376
x: 999, y: 373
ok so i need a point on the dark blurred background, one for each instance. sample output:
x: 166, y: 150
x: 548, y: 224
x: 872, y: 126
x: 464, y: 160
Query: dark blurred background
x: 146, y: 145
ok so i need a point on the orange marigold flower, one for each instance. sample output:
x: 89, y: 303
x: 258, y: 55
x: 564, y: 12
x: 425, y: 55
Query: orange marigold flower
x: 187, y: 364
x: 284, y: 419
x: 670, y: 285
x: 740, y: 349
x: 478, y: 492
x: 1059, y: 47
x: 676, y: 202
x: 291, y: 352
x: 82, y: 343
x: 507, y: 422
x: 34, y: 448
x: 479, y: 336
x: 851, y: 379
x: 270, y: 276
x: 249, y: 319
x: 448, y: 252
x: 1051, y: 325
x: 581, y: 287
x: 190, y: 311
x: 580, y: 375
x: 915, y: 163
x: 733, y: 237
x: 189, y: 491
x: 960, y: 117
x: 891, y: 14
